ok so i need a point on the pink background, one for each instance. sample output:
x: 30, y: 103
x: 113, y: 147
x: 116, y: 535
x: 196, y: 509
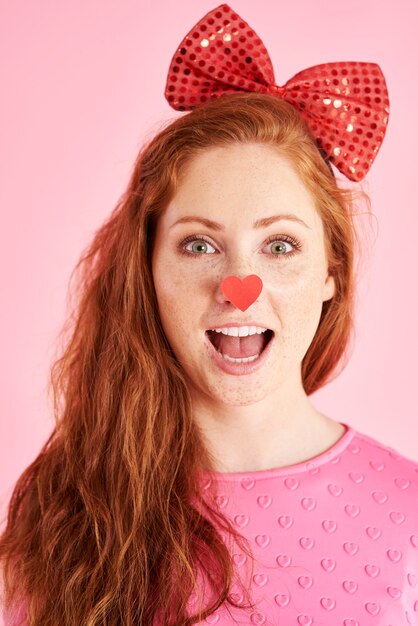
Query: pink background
x: 82, y: 87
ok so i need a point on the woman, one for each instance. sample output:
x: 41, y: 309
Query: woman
x: 179, y: 484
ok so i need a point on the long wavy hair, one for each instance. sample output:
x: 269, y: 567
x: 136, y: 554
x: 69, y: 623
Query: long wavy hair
x: 111, y: 524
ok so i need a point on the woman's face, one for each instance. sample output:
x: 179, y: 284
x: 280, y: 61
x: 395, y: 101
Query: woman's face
x: 235, y: 186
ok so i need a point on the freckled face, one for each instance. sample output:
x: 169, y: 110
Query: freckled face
x: 236, y: 185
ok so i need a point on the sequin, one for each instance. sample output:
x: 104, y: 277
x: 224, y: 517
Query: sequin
x: 222, y: 54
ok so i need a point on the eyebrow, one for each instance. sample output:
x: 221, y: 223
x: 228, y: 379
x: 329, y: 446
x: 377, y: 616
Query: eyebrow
x: 261, y: 223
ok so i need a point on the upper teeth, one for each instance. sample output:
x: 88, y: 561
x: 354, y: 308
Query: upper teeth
x: 241, y: 331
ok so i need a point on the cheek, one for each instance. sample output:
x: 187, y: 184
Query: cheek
x: 168, y: 280
x: 298, y: 302
x: 297, y: 281
x: 177, y: 299
x: 183, y: 297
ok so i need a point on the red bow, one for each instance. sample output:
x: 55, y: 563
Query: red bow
x: 345, y: 104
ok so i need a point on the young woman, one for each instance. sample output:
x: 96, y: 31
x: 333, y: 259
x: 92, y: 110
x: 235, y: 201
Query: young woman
x: 189, y: 478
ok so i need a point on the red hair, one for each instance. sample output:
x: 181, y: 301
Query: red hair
x: 109, y: 525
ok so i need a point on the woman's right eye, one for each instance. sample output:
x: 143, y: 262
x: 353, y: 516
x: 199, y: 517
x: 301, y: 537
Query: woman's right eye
x: 197, y: 248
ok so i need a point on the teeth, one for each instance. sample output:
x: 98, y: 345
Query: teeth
x: 244, y: 360
x: 242, y: 331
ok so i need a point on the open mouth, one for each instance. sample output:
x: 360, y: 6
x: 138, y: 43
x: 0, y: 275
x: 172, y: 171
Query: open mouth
x: 265, y: 337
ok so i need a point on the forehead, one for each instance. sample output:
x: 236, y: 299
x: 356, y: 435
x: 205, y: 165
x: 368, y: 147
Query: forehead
x: 240, y: 181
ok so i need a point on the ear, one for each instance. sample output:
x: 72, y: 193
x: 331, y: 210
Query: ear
x: 329, y: 288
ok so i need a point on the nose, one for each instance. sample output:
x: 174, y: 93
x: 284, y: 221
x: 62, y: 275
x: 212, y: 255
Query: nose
x: 242, y: 293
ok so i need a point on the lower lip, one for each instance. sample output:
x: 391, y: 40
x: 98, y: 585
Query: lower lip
x: 238, y: 369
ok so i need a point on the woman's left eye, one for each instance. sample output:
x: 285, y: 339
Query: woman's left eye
x: 279, y: 239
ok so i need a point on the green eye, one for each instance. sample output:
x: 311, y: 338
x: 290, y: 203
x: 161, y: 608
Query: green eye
x: 281, y: 245
x: 200, y: 246
x: 197, y: 246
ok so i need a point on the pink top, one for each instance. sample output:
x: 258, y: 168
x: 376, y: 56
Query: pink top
x: 335, y: 538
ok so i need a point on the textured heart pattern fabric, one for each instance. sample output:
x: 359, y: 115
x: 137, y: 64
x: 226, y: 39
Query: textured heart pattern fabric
x: 335, y: 538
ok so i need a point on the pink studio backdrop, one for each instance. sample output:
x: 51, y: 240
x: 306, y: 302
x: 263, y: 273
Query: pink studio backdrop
x: 82, y: 88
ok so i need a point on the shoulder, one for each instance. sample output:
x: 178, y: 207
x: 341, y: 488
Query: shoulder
x: 387, y: 479
x: 380, y: 456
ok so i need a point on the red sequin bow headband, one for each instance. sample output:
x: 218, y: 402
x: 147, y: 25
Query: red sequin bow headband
x: 345, y: 104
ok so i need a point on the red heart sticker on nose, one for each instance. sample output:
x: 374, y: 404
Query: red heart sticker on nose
x: 244, y: 292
